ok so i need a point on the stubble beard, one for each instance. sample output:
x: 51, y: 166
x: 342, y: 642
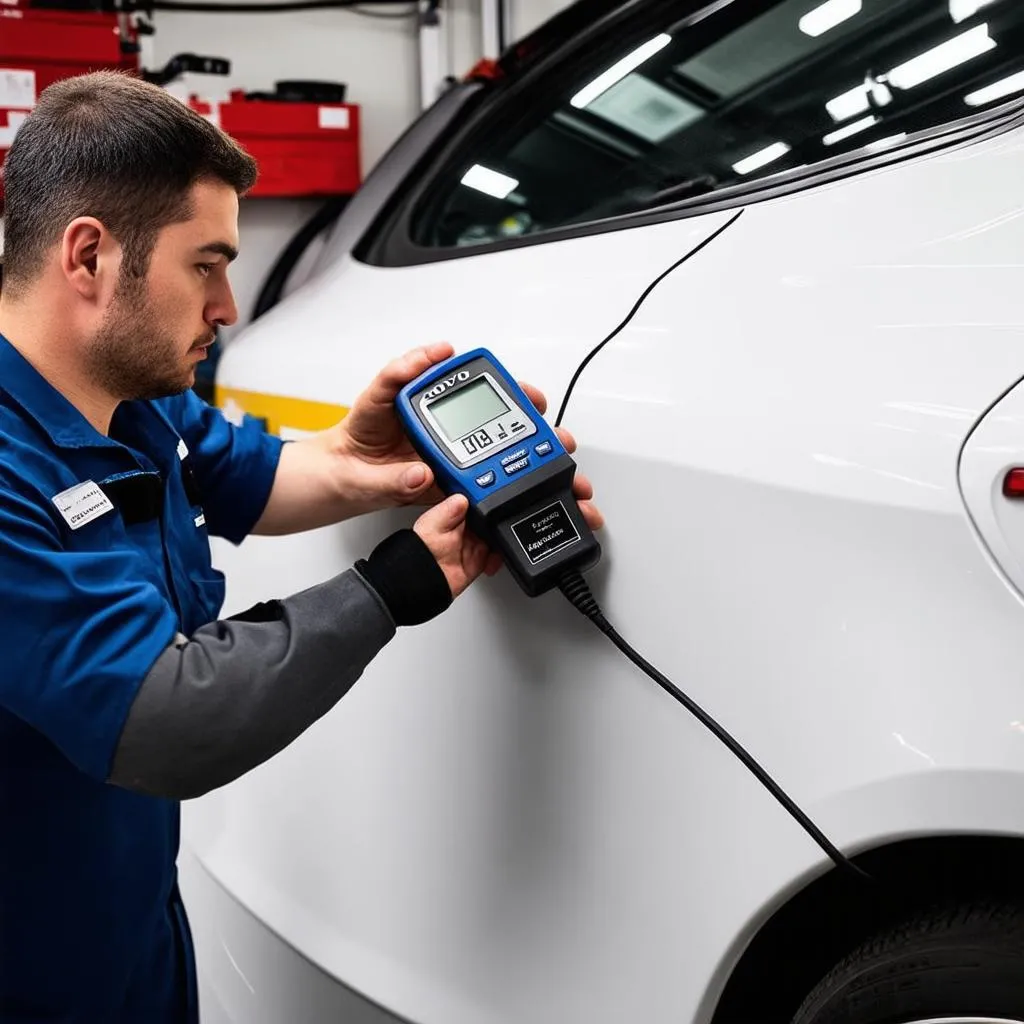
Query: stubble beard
x: 133, y: 356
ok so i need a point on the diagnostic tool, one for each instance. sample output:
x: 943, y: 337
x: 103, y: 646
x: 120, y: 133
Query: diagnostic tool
x: 472, y: 423
x: 474, y: 426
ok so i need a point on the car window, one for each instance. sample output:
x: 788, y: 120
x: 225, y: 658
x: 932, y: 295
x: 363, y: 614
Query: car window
x: 729, y: 98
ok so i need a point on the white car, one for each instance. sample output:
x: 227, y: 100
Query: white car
x: 769, y: 260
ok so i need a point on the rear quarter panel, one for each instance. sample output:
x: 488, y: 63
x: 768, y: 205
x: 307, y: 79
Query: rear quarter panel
x: 504, y: 821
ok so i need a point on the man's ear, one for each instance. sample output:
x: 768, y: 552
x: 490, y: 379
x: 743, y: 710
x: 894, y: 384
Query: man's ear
x: 90, y: 258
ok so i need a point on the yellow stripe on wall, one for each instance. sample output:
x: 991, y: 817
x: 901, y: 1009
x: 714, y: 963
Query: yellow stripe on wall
x: 279, y: 411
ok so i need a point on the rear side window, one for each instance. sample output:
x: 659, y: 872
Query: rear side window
x: 748, y: 91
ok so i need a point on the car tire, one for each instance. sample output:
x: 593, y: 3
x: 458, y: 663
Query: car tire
x: 961, y: 964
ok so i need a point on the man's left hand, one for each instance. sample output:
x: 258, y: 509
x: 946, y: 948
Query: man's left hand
x: 378, y: 467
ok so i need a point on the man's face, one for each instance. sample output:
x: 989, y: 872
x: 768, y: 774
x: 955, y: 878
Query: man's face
x: 158, y: 329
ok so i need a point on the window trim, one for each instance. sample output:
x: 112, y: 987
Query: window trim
x: 389, y: 244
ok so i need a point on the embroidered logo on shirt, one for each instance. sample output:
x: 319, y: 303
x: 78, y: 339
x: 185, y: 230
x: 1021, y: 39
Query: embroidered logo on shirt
x: 182, y: 450
x: 82, y: 504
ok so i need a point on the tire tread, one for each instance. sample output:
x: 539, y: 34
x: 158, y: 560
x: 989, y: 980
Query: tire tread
x: 985, y: 925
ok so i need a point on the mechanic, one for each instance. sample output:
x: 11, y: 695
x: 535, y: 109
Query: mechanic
x: 121, y: 693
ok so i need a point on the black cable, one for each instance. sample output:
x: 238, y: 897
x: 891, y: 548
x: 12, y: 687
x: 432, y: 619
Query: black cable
x: 636, y: 306
x: 575, y: 589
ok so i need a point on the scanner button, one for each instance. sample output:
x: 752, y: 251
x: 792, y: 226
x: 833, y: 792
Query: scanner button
x: 515, y: 467
x: 486, y: 480
x: 544, y: 448
x: 519, y: 453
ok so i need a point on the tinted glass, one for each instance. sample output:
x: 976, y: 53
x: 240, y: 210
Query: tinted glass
x: 734, y: 97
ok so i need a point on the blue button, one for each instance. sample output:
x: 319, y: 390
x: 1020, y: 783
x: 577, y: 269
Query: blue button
x: 486, y: 480
x: 515, y: 467
x: 544, y: 448
x: 519, y: 453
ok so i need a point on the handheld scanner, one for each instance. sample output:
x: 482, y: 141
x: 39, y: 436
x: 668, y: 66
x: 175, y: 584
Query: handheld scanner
x: 474, y: 426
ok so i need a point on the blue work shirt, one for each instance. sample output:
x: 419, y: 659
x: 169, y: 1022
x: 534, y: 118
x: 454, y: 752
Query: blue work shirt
x: 94, y: 586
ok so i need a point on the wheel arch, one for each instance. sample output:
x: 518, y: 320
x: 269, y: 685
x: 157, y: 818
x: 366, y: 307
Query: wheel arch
x: 833, y: 913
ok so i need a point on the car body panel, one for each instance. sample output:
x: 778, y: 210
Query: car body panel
x: 505, y: 821
x: 553, y: 302
x: 817, y: 419
x: 248, y: 973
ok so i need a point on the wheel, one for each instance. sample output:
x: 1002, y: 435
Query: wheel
x: 959, y: 966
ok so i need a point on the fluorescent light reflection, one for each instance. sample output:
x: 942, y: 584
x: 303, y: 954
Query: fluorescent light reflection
x: 493, y: 183
x: 762, y: 157
x: 950, y: 54
x: 851, y: 129
x: 618, y: 71
x: 996, y: 91
x: 824, y: 18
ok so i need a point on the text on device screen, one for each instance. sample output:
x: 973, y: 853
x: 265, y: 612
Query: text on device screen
x: 467, y: 409
x: 477, y: 419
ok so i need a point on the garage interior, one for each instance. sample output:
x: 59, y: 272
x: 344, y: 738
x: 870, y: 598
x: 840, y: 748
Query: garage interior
x: 388, y: 60
x: 320, y: 92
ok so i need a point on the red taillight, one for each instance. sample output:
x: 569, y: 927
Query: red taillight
x: 1013, y: 484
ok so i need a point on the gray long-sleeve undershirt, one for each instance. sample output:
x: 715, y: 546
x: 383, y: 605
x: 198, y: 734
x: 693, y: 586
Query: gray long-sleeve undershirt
x: 241, y: 689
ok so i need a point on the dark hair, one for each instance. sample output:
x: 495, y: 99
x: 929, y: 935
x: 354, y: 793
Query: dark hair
x: 114, y: 147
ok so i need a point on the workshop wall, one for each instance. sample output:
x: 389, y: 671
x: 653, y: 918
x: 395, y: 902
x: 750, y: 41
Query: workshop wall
x: 526, y: 15
x: 378, y: 59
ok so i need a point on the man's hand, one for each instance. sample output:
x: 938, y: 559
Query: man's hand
x: 378, y: 467
x: 461, y: 556
x: 366, y: 462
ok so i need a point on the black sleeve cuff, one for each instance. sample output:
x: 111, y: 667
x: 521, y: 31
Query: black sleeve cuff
x: 407, y: 577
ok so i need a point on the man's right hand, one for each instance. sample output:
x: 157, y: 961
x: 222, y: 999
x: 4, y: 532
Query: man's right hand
x: 461, y: 555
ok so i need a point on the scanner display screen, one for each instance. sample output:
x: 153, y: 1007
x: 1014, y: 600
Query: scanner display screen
x: 468, y: 408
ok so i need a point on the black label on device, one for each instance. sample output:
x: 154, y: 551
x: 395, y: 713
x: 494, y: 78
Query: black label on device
x: 545, y: 532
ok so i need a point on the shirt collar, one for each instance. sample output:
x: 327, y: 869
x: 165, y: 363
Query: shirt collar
x: 64, y: 424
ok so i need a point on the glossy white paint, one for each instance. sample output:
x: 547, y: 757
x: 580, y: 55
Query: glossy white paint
x: 555, y: 302
x: 529, y: 829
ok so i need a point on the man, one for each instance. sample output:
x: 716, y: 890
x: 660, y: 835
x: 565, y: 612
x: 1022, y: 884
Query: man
x: 120, y: 691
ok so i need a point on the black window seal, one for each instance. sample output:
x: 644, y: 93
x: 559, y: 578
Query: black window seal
x: 389, y: 244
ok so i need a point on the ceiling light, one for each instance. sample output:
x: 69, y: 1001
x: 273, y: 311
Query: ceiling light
x: 859, y: 100
x: 889, y: 140
x: 851, y: 129
x: 760, y: 158
x: 950, y: 54
x: 483, y: 179
x: 645, y: 108
x: 618, y: 71
x: 828, y: 15
x: 849, y: 104
x: 961, y: 10
x: 996, y: 91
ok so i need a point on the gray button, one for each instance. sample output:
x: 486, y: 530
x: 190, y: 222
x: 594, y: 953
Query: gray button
x: 544, y: 448
x: 519, y: 453
x: 515, y: 467
x: 486, y: 480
